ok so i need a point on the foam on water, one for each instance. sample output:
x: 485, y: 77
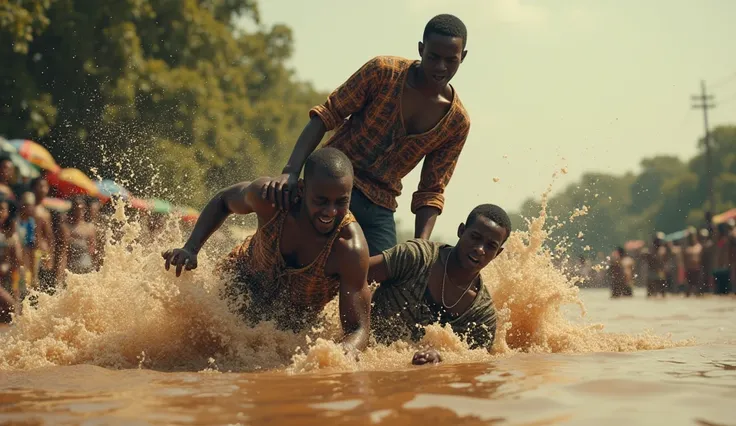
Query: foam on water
x: 133, y: 314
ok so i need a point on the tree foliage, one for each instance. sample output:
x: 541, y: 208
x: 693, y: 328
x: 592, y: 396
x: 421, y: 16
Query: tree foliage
x: 104, y: 83
x: 667, y: 195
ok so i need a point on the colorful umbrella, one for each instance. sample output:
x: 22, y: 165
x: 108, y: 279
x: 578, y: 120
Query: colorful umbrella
x: 725, y: 216
x: 676, y: 235
x: 138, y: 203
x: 57, y: 204
x: 6, y: 146
x: 71, y: 182
x: 160, y: 206
x: 634, y: 244
x: 187, y: 214
x: 109, y: 188
x: 25, y: 169
x: 35, y: 154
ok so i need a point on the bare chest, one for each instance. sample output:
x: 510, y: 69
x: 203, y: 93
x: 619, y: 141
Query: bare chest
x: 420, y: 114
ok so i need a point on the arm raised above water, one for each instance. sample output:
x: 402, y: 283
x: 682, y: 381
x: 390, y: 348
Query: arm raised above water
x: 241, y: 198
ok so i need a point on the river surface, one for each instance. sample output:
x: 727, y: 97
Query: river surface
x: 688, y: 385
x: 133, y: 344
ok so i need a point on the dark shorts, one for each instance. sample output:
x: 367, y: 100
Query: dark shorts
x: 377, y: 222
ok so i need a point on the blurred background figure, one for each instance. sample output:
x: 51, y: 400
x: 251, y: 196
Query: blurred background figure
x: 620, y: 274
x: 693, y: 262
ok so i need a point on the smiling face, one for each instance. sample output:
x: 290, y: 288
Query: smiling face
x: 326, y: 201
x: 480, y: 243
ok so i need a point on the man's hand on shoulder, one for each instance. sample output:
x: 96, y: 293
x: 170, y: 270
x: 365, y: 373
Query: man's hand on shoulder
x: 280, y: 190
x: 247, y: 197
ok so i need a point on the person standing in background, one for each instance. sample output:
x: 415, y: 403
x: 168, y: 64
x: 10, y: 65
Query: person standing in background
x: 722, y: 267
x: 693, y: 260
x: 708, y: 258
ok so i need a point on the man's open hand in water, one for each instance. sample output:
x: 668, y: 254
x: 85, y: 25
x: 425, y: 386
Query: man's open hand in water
x: 182, y: 258
x: 426, y: 356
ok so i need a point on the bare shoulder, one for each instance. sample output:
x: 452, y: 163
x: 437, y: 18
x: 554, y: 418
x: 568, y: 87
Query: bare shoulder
x: 250, y: 197
x: 351, y: 247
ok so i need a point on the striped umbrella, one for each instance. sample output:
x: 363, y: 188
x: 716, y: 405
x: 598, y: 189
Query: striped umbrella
x: 160, y: 206
x: 57, y: 204
x: 25, y: 169
x: 138, y: 203
x: 109, y: 188
x: 35, y: 154
x: 71, y: 182
x: 187, y: 214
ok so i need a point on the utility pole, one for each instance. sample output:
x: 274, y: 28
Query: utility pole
x: 704, y: 101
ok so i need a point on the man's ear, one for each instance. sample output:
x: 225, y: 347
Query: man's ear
x: 460, y: 230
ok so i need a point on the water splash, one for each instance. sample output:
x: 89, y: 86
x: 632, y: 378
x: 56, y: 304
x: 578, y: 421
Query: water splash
x: 133, y: 314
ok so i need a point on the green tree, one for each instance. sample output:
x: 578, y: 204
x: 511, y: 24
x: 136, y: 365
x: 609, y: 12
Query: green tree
x: 171, y: 80
x: 667, y: 195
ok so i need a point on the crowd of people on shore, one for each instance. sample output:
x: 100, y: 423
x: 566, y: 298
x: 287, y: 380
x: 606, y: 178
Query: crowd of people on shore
x: 702, y: 261
x: 43, y: 237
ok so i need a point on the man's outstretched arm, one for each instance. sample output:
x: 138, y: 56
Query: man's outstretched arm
x: 241, y: 198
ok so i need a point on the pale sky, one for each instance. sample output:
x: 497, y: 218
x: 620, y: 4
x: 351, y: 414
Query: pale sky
x: 587, y: 84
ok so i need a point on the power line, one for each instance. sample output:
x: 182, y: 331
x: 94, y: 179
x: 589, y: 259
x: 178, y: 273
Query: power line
x: 705, y: 102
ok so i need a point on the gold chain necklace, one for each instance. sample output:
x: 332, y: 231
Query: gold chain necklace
x: 444, y: 276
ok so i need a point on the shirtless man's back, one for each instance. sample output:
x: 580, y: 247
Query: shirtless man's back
x: 693, y: 259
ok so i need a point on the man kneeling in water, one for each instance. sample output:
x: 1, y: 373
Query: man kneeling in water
x: 297, y: 260
x: 424, y: 282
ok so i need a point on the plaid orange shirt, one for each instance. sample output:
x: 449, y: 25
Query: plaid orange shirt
x: 366, y: 113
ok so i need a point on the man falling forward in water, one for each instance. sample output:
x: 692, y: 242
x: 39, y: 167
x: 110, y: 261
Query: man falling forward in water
x: 297, y: 260
x: 425, y: 282
x: 387, y: 117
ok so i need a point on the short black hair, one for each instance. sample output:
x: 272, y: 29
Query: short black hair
x: 329, y: 162
x: 493, y: 213
x: 447, y: 25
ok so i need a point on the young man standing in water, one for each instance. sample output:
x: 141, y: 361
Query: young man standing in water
x: 656, y: 261
x: 425, y: 282
x: 297, y: 260
x: 621, y: 274
x: 693, y: 259
x: 387, y: 117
